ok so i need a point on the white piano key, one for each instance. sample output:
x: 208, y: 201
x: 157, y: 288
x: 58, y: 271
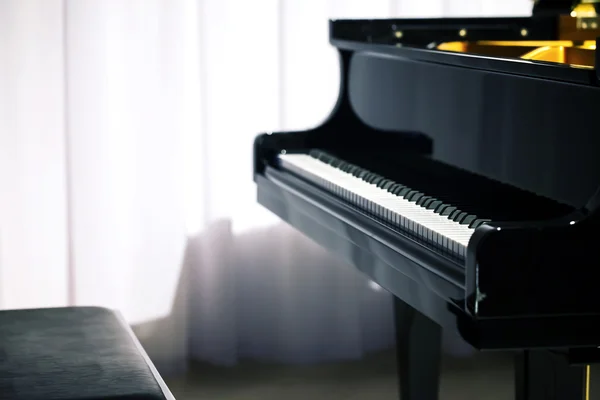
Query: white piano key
x: 425, y: 224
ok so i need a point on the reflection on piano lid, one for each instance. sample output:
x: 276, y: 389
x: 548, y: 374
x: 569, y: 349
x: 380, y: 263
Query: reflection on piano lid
x: 459, y: 170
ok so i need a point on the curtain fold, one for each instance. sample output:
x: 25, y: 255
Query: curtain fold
x: 126, y: 130
x: 33, y: 211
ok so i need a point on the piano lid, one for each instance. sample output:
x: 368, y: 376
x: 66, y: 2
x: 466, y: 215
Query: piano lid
x: 577, y: 26
x: 558, y: 32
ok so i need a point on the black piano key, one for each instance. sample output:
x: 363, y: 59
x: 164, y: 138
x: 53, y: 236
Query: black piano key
x: 454, y: 214
x: 408, y: 192
x: 388, y: 185
x: 434, y: 205
x: 323, y: 155
x: 478, y: 222
x: 425, y: 203
x: 382, y: 183
x: 378, y: 179
x: 415, y: 197
x: 409, y: 195
x: 441, y: 207
x: 371, y: 177
x: 468, y: 220
x: 335, y: 162
x: 431, y: 194
x: 318, y: 154
x: 460, y: 216
x: 404, y: 191
x: 418, y: 197
x: 422, y: 200
x: 396, y: 189
x: 448, y: 210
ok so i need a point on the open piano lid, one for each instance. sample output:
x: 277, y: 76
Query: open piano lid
x: 558, y: 41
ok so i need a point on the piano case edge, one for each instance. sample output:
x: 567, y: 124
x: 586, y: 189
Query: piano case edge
x: 296, y: 209
x: 403, y: 277
x: 547, y: 270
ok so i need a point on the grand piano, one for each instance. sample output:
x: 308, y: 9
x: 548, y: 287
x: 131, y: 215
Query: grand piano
x: 460, y: 171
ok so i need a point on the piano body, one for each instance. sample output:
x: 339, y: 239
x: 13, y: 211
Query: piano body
x: 460, y: 171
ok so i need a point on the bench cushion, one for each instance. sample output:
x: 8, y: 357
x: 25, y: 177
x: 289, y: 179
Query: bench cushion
x: 73, y: 353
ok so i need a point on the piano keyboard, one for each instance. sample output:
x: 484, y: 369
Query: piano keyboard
x: 441, y: 225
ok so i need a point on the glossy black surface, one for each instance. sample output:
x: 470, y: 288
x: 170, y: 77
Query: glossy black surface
x: 427, y: 292
x: 423, y: 32
x: 440, y: 275
x: 525, y: 125
x: 553, y: 7
x: 386, y: 258
x: 516, y: 67
x: 531, y: 133
x: 418, y: 353
x: 533, y: 270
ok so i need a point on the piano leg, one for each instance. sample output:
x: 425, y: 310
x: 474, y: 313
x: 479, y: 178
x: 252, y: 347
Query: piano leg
x: 418, y: 344
x: 542, y: 375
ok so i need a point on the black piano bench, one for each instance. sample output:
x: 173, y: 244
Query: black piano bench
x: 74, y: 353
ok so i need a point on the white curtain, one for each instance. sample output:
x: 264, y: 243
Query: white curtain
x: 126, y: 131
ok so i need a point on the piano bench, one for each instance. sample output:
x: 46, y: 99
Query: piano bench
x: 74, y: 353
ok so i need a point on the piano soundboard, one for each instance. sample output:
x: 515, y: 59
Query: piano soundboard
x: 460, y: 171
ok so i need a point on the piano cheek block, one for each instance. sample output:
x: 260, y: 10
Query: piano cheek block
x: 525, y: 271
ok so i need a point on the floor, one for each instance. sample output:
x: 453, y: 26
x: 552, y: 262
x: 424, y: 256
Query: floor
x: 484, y: 377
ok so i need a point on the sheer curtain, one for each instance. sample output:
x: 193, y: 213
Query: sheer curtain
x: 125, y: 171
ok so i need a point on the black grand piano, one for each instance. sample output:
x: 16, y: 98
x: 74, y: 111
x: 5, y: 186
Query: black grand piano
x: 460, y: 170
